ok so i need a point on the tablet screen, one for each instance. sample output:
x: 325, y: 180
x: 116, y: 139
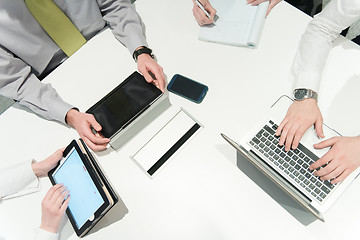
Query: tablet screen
x: 122, y: 104
x: 85, y: 197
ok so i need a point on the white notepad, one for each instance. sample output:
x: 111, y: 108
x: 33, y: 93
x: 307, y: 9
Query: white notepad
x: 239, y: 24
x: 158, y: 150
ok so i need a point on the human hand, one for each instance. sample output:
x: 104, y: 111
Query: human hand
x: 42, y: 168
x: 199, y: 14
x: 82, y: 122
x: 300, y: 116
x: 151, y: 70
x: 53, y: 208
x: 272, y: 4
x: 343, y: 158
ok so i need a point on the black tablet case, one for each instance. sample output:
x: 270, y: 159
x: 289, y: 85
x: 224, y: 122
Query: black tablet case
x: 89, y: 157
x: 139, y: 95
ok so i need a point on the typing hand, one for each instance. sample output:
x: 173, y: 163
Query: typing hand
x: 272, y: 4
x: 199, y: 14
x: 82, y: 122
x: 42, y: 168
x: 151, y: 70
x: 343, y: 158
x: 53, y: 208
x: 300, y: 116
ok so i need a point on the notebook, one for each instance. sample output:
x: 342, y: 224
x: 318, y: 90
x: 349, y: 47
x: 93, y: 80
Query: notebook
x: 91, y: 193
x: 290, y: 170
x: 239, y: 24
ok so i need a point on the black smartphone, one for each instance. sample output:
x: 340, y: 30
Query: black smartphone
x: 187, y: 88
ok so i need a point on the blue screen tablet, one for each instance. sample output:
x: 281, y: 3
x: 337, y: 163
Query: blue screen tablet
x: 85, y: 197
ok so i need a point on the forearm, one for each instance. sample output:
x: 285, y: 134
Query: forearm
x: 19, y: 83
x: 125, y: 23
x: 18, y: 180
x: 318, y: 39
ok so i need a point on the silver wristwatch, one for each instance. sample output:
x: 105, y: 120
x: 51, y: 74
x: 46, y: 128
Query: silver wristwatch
x: 303, y: 93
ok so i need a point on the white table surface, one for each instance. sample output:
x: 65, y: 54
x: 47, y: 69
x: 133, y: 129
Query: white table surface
x: 205, y: 191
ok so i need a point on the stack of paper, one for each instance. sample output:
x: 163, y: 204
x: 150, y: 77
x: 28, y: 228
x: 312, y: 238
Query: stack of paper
x: 239, y: 24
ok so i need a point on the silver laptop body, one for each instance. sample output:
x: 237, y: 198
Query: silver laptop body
x: 289, y: 170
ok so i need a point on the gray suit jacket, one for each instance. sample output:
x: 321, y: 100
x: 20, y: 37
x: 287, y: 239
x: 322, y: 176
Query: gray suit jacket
x: 27, y: 52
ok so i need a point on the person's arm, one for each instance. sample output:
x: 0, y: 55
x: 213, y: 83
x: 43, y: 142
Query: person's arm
x: 199, y: 14
x: 18, y: 180
x: 22, y: 178
x: 309, y: 63
x: 18, y: 82
x: 41, y: 234
x: 124, y: 22
x: 128, y: 28
x: 318, y: 40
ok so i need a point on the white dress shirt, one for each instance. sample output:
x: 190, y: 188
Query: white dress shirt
x: 318, y: 39
x: 18, y: 180
x: 41, y: 234
x: 27, y: 52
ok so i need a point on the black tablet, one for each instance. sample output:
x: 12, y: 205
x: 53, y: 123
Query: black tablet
x: 123, y: 104
x: 88, y: 199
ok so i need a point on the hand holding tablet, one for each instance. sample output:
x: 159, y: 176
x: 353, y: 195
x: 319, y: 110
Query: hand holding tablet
x: 91, y: 193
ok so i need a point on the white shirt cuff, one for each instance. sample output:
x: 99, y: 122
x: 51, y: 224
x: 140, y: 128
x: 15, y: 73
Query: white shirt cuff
x: 41, y: 234
x: 18, y: 180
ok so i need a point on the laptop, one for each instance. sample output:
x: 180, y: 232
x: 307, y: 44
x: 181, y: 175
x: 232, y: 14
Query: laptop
x: 290, y: 170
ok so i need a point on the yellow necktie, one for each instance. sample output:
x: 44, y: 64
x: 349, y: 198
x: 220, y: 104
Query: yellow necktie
x: 57, y: 25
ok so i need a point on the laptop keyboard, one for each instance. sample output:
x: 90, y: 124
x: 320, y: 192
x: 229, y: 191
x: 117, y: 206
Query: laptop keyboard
x: 294, y: 163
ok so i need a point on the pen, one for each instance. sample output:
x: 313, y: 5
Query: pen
x: 202, y: 8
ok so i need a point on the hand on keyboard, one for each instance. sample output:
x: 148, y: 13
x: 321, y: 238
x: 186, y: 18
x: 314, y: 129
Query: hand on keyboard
x: 293, y: 164
x: 342, y: 158
x: 299, y: 118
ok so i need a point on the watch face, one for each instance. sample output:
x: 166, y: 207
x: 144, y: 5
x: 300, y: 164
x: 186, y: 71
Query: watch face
x: 299, y: 94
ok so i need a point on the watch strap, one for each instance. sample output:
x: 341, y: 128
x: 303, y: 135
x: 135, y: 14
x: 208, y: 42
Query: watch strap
x: 303, y: 93
x: 142, y: 50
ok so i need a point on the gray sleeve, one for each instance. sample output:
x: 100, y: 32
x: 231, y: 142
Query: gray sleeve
x: 125, y: 22
x: 19, y: 83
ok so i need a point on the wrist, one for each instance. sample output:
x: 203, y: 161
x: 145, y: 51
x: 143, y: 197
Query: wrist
x: 36, y: 168
x: 71, y: 116
x: 141, y: 51
x: 143, y: 57
x: 48, y: 228
x: 301, y: 94
x: 308, y: 102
